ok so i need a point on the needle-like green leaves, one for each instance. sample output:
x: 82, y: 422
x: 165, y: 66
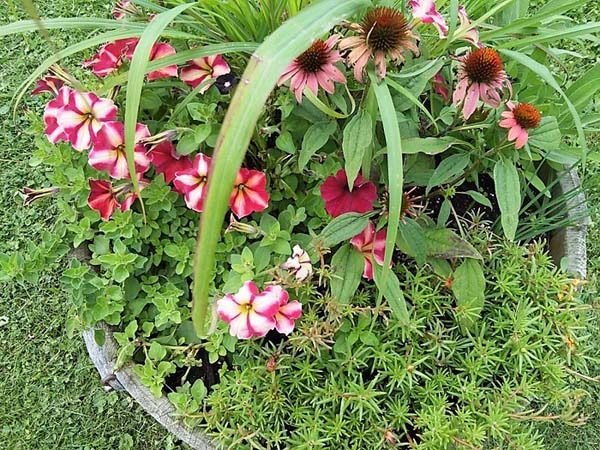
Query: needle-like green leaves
x: 259, y: 79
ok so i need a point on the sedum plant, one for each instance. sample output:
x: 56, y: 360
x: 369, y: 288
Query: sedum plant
x: 387, y: 172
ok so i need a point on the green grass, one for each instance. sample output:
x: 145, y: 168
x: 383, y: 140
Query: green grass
x: 50, y: 394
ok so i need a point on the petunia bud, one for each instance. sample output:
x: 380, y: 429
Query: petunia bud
x: 241, y: 227
x: 31, y: 195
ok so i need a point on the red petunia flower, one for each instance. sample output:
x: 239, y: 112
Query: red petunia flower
x: 372, y: 245
x: 249, y: 194
x: 339, y: 199
x: 167, y: 161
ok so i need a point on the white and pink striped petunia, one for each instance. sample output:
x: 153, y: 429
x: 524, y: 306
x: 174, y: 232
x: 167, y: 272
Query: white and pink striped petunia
x: 53, y: 130
x: 249, y: 193
x: 108, y: 152
x: 372, y: 245
x: 466, y: 31
x: 192, y: 182
x: 426, y: 12
x: 200, y: 69
x: 248, y: 313
x: 315, y: 68
x: 111, y: 56
x: 83, y: 116
x: 161, y: 50
x: 288, y: 312
x: 48, y: 84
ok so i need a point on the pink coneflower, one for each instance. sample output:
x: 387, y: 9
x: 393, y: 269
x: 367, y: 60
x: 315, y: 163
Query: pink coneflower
x: 313, y: 68
x: 481, y: 77
x: 384, y: 33
x: 339, y: 199
x: 519, y: 120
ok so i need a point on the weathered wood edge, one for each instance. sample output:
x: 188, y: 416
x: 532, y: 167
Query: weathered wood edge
x: 104, y: 358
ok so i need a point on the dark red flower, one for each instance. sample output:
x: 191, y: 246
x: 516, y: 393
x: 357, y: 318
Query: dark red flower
x: 167, y: 161
x: 339, y: 199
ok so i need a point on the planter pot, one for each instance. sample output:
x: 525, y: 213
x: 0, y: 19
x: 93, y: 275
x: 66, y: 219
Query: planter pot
x: 568, y: 245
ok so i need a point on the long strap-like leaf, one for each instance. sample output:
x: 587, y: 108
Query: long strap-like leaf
x: 259, y: 79
x: 135, y: 82
x: 391, y: 130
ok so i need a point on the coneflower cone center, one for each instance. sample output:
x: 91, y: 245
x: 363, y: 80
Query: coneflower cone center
x: 313, y: 59
x: 483, y: 65
x: 527, y: 116
x: 385, y: 29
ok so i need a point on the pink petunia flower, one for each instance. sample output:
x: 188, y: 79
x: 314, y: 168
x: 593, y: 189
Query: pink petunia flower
x: 54, y: 132
x: 249, y: 193
x: 167, y: 161
x: 108, y: 152
x: 481, y: 75
x: 372, y: 245
x: 440, y: 86
x: 161, y: 50
x: 383, y: 34
x: 519, y: 119
x: 313, y: 68
x: 111, y: 56
x: 200, y: 69
x: 83, y: 117
x: 192, y: 182
x: 248, y: 313
x: 426, y: 12
x: 339, y: 199
x: 466, y: 31
x: 288, y: 312
x: 299, y: 264
x: 48, y: 84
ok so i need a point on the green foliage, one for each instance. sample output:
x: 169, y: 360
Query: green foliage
x: 447, y: 351
x: 426, y: 380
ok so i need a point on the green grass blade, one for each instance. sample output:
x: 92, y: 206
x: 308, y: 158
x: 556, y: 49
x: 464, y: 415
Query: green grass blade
x: 580, y: 30
x: 27, y: 26
x: 545, y: 74
x: 259, y: 79
x: 414, y: 100
x: 395, y: 169
x: 135, y: 83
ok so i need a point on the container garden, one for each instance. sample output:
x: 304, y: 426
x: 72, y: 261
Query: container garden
x: 375, y: 194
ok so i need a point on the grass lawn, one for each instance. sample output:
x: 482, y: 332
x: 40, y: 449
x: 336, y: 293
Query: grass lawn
x: 50, y: 395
